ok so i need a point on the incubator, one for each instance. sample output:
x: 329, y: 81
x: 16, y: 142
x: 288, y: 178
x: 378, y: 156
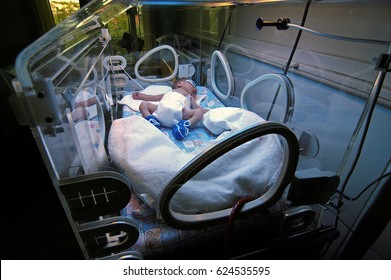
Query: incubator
x: 296, y: 131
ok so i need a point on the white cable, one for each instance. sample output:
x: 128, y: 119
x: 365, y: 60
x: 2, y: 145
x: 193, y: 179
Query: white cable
x: 130, y: 77
x: 358, y: 40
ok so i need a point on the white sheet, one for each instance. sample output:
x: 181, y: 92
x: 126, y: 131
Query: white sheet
x: 91, y: 151
x: 149, y: 159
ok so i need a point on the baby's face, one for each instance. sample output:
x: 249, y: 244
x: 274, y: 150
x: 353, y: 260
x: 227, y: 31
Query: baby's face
x: 189, y: 88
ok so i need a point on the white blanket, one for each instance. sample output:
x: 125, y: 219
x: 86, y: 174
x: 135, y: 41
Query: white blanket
x: 149, y: 159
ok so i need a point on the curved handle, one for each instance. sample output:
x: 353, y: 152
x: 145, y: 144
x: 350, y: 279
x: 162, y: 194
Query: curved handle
x: 219, y: 57
x: 285, y: 88
x: 186, y: 221
x: 147, y: 55
x: 89, y: 196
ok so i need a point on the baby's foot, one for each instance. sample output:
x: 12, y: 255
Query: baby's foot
x: 181, y: 130
x: 153, y: 121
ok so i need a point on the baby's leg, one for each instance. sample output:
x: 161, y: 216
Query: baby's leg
x: 193, y: 115
x: 187, y: 113
x: 147, y: 108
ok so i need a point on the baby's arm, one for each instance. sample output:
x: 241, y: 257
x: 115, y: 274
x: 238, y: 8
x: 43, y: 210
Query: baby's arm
x: 194, y: 105
x: 147, y: 97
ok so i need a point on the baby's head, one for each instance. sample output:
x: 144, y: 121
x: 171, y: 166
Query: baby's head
x: 186, y: 84
x: 193, y: 84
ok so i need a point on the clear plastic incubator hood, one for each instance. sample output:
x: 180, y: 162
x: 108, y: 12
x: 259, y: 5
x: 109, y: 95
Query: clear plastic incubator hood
x: 295, y: 129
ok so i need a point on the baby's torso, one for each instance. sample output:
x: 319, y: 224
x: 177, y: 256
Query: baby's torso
x: 169, y: 111
x: 176, y: 96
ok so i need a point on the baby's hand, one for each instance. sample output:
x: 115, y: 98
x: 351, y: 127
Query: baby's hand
x: 136, y: 95
x: 193, y: 102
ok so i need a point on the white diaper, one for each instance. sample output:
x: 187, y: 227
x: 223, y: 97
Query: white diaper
x: 169, y: 111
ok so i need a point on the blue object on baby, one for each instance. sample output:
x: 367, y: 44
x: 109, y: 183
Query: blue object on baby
x: 153, y: 121
x: 181, y: 130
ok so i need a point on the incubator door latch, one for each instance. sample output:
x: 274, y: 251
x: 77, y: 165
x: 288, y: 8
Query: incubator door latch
x: 312, y: 186
x: 107, y: 236
x: 383, y: 62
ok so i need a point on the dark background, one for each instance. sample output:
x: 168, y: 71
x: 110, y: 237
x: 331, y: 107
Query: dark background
x: 35, y: 223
